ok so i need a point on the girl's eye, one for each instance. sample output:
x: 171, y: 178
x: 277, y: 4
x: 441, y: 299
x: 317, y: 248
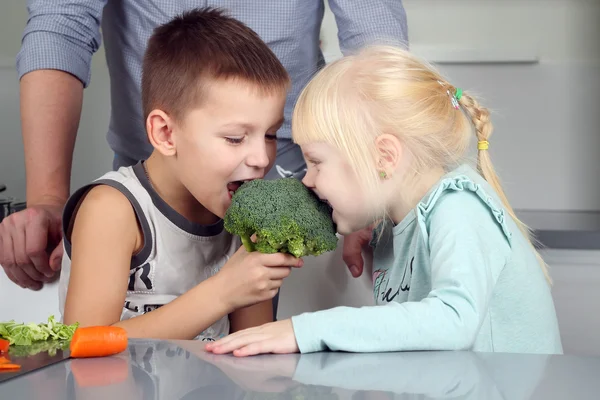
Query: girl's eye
x: 271, y: 138
x: 235, y: 140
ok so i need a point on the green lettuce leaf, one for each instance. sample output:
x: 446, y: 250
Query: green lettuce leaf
x: 21, y: 334
x: 50, y: 346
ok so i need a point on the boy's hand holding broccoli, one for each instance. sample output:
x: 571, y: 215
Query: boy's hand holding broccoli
x: 250, y: 278
x: 279, y: 221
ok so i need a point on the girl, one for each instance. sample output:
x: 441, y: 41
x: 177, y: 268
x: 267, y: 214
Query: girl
x: 385, y: 136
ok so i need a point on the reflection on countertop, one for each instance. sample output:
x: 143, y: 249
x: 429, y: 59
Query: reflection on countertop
x: 182, y: 370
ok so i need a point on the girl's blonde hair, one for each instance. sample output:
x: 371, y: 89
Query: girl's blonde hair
x: 384, y: 89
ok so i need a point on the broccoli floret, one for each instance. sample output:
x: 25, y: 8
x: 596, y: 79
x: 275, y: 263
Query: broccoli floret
x: 284, y: 214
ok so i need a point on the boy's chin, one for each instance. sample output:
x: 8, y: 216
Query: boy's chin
x: 220, y: 213
x: 217, y: 210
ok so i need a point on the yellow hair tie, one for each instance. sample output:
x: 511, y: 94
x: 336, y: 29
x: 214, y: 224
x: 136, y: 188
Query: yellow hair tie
x: 483, y: 145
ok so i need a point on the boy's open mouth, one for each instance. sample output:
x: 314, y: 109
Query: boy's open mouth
x: 233, y: 186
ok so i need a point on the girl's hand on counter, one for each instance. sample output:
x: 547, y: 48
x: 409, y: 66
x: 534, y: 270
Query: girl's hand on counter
x: 275, y: 337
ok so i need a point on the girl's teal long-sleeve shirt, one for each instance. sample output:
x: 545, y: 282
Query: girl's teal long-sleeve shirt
x: 455, y: 274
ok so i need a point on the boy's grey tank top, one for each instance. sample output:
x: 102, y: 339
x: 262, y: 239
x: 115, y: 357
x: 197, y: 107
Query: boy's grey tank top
x: 177, y: 254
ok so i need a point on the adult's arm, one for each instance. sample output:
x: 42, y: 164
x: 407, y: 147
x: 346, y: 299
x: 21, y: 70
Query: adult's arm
x: 369, y: 22
x: 53, y: 68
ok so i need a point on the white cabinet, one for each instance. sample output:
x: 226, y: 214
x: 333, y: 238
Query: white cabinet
x: 24, y: 305
x: 576, y: 293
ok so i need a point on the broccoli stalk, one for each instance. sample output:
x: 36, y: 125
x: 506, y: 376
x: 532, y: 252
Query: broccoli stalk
x: 284, y: 215
x: 248, y: 243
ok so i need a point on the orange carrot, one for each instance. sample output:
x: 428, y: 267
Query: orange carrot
x: 4, y: 345
x: 9, y: 367
x: 4, y: 360
x: 98, y: 341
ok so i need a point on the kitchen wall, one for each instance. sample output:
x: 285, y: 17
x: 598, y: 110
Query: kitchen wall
x: 536, y: 63
x: 546, y: 138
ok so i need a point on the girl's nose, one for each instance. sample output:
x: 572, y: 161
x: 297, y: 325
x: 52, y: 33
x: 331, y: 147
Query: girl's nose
x: 309, y: 180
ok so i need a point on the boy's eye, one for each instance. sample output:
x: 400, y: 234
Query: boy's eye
x: 235, y: 140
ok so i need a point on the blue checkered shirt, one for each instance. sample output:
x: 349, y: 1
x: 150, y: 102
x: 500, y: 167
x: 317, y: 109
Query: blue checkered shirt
x: 64, y: 34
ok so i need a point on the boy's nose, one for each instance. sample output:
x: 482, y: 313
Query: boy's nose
x: 258, y: 158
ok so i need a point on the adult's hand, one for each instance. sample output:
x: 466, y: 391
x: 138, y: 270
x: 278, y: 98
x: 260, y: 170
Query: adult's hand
x: 51, y: 102
x: 352, y: 253
x: 30, y: 245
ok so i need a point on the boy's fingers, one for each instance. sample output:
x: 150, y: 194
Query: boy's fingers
x: 275, y: 284
x: 273, y: 293
x: 280, y: 272
x: 281, y: 260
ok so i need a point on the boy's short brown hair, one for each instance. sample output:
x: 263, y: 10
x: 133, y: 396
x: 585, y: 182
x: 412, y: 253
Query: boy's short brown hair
x: 202, y: 45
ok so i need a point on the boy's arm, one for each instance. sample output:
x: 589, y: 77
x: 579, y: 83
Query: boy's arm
x: 251, y: 316
x: 104, y: 237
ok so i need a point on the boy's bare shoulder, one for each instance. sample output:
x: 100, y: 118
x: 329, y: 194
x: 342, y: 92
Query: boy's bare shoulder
x: 105, y: 208
x: 108, y: 199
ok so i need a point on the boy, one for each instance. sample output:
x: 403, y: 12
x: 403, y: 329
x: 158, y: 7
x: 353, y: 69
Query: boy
x: 147, y: 241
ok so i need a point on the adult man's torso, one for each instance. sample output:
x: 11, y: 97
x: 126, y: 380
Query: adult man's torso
x: 291, y: 29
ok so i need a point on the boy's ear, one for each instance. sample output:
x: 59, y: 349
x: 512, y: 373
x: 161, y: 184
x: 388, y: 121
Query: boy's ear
x: 159, y: 126
x: 389, y: 153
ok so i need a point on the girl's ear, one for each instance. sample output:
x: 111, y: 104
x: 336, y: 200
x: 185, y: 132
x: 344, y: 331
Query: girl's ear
x: 159, y: 127
x: 389, y: 154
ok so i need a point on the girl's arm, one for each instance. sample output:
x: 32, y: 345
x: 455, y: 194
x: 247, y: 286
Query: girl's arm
x: 105, y: 236
x: 251, y: 316
x: 467, y: 252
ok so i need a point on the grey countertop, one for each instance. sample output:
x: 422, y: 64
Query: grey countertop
x: 181, y: 370
x: 576, y: 230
